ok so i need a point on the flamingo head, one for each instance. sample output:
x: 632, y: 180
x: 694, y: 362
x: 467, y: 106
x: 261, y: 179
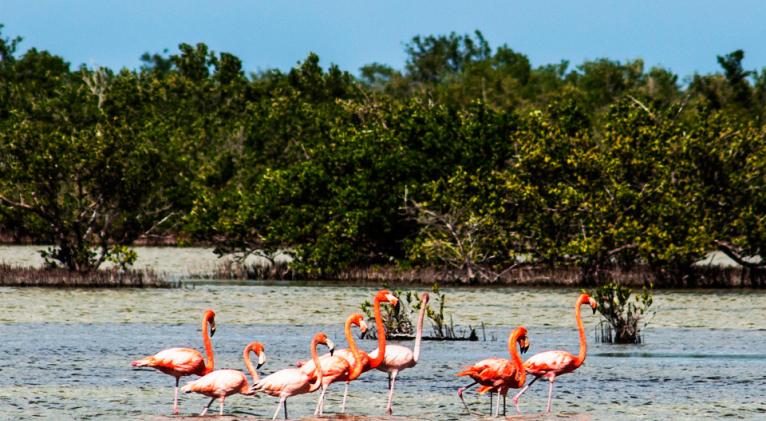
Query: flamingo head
x: 424, y: 297
x: 522, y: 339
x: 358, y: 319
x: 257, y: 347
x: 587, y: 299
x: 209, y: 317
x: 386, y: 296
x: 321, y: 338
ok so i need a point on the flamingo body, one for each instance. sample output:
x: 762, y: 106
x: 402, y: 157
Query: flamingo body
x: 492, y: 373
x: 347, y: 355
x: 397, y: 358
x: 285, y: 383
x: 219, y: 383
x: 177, y: 362
x: 550, y: 364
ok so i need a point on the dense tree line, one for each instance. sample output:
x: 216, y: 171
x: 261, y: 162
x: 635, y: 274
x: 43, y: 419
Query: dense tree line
x: 468, y: 157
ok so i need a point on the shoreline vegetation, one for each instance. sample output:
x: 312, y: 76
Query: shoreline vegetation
x: 12, y: 276
x: 702, y: 276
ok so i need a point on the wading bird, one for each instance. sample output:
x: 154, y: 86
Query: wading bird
x: 222, y: 383
x: 550, y: 364
x: 337, y: 368
x: 499, y: 374
x: 180, y: 362
x: 292, y: 381
x: 397, y: 357
x: 382, y: 296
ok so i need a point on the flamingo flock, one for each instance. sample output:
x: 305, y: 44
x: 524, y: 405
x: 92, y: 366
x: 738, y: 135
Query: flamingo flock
x: 494, y: 375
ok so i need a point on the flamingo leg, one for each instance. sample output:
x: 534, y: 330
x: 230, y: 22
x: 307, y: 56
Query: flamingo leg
x: 550, y: 396
x: 175, y: 399
x: 220, y: 412
x: 343, y: 405
x: 504, y: 396
x: 460, y: 391
x: 490, y: 403
x: 204, y: 410
x: 282, y: 400
x: 518, y: 395
x: 393, y: 374
x: 318, y: 410
x: 497, y: 411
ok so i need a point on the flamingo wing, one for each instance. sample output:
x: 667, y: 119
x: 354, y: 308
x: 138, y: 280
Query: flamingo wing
x: 289, y: 381
x: 397, y: 357
x: 218, y: 383
x: 347, y: 355
x: 174, y: 361
x: 555, y: 362
x: 488, y: 370
x: 333, y: 367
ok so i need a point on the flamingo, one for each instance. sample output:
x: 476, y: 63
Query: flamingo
x: 222, y: 383
x: 180, y: 362
x: 337, y: 367
x: 292, y: 381
x: 550, y: 364
x: 499, y: 374
x: 397, y: 357
x: 382, y: 296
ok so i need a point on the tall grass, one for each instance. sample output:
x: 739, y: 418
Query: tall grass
x: 63, y: 278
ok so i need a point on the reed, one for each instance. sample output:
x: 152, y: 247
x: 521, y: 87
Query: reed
x: 13, y: 276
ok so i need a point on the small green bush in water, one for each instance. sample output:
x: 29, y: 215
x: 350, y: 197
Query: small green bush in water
x: 623, y: 316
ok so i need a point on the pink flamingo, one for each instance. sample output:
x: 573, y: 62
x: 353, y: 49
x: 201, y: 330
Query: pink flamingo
x: 550, y: 364
x: 180, y: 362
x: 222, y: 383
x: 382, y: 296
x: 337, y: 368
x: 499, y: 374
x: 397, y: 357
x: 292, y: 381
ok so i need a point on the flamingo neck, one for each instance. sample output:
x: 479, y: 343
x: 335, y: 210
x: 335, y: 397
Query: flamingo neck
x: 419, y: 333
x: 317, y: 364
x: 375, y: 362
x: 514, y: 352
x: 356, y: 370
x: 249, y: 365
x: 583, y: 345
x: 513, y: 338
x: 209, y: 356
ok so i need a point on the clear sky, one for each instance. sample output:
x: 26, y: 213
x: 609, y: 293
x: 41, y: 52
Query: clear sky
x: 683, y: 35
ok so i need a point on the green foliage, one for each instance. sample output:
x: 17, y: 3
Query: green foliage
x: 622, y: 315
x: 396, y: 319
x: 468, y: 158
x: 123, y: 257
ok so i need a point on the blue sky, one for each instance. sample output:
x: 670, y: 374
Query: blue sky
x: 683, y: 35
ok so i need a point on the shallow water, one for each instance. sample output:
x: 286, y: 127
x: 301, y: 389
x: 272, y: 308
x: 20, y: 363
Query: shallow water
x: 67, y: 352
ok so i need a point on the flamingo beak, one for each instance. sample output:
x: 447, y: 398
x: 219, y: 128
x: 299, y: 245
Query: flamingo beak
x: 363, y: 326
x: 525, y: 345
x: 330, y: 345
x: 212, y: 328
x: 392, y: 299
x: 261, y: 359
x: 593, y: 304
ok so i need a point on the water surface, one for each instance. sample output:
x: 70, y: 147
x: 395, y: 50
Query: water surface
x: 67, y: 352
